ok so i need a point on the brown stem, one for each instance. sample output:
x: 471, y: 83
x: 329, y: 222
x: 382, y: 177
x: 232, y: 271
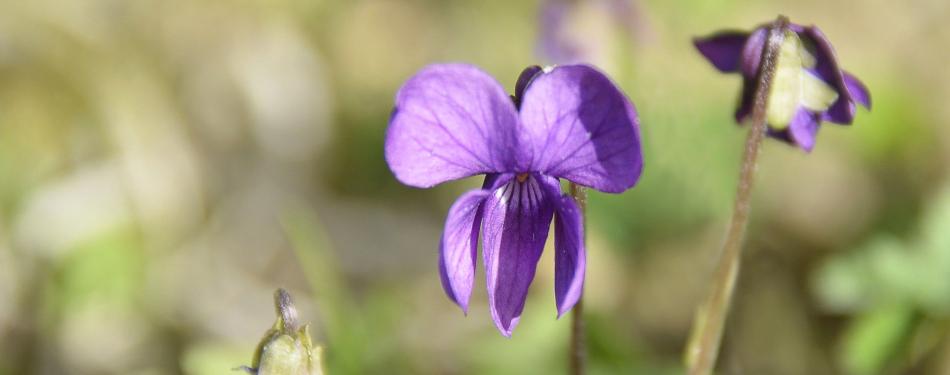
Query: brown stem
x: 578, y: 354
x: 706, y: 337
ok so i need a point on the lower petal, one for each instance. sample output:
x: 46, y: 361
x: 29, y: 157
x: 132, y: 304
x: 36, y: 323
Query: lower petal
x: 517, y: 217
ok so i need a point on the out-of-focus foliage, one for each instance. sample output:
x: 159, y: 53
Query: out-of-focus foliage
x: 165, y: 165
x: 897, y: 290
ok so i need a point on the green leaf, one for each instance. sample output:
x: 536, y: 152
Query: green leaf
x: 876, y: 337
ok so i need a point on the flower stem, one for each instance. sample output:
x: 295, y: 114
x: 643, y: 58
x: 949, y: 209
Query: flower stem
x: 578, y: 349
x: 705, y: 339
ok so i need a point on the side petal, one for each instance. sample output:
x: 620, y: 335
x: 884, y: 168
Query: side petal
x: 459, y: 245
x: 723, y: 49
x: 803, y: 128
x: 570, y: 259
x: 858, y: 91
x: 581, y: 127
x: 451, y: 121
x: 515, y: 226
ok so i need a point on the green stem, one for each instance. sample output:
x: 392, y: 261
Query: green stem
x: 578, y: 350
x: 706, y: 337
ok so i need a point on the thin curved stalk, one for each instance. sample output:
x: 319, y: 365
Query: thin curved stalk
x: 703, y: 348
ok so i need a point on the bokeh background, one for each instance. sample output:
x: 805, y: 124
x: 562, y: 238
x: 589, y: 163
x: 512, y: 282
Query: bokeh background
x: 165, y: 165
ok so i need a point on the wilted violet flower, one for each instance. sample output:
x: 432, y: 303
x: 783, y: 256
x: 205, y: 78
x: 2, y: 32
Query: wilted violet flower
x: 454, y: 121
x: 808, y: 86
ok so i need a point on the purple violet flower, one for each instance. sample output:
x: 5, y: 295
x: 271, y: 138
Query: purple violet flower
x: 453, y: 121
x: 808, y: 87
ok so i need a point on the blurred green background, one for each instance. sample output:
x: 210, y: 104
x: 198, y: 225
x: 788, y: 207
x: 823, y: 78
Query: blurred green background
x: 165, y: 165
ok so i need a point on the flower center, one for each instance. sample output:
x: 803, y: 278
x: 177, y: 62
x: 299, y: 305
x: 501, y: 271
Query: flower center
x: 522, y: 177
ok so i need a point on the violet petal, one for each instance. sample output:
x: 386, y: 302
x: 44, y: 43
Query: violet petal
x: 516, y: 220
x: 841, y: 112
x: 570, y: 259
x: 752, y: 52
x: 581, y: 127
x: 451, y: 121
x: 803, y: 128
x: 723, y: 49
x: 457, y: 250
x: 826, y: 66
x: 858, y: 91
x: 525, y: 78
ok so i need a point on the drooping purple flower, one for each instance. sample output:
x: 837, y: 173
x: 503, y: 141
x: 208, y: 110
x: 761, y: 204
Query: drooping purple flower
x: 453, y: 121
x: 808, y: 86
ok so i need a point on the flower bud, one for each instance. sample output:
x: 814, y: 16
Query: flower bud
x: 285, y: 348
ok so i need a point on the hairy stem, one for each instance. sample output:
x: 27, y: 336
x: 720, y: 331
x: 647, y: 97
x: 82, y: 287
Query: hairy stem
x: 286, y: 310
x: 578, y: 354
x: 706, y: 337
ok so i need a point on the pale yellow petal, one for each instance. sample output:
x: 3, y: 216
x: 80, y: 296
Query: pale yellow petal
x: 816, y: 94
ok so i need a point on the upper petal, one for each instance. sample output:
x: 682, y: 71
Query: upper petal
x: 459, y: 244
x: 517, y: 217
x: 451, y: 121
x: 581, y: 127
x: 723, y: 49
